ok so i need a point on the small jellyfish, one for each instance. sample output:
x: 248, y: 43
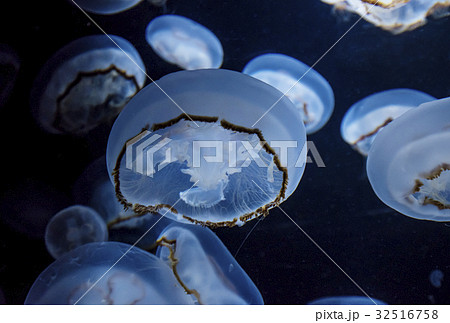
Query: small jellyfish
x: 409, y: 163
x: 213, y: 164
x: 92, y: 275
x: 346, y: 300
x: 106, y: 7
x: 184, y: 42
x: 436, y: 278
x: 86, y: 84
x: 9, y: 68
x: 308, y: 90
x: 203, y: 264
x: 396, y: 16
x: 368, y: 116
x: 72, y: 227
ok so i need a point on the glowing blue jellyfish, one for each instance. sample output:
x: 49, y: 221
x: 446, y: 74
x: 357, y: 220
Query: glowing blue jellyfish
x: 9, y: 68
x: 72, y: 227
x: 346, y: 300
x: 106, y: 7
x: 86, y: 84
x: 396, y: 16
x: 409, y: 163
x: 436, y: 278
x: 184, y: 42
x: 197, y: 151
x: 204, y: 264
x: 368, y: 116
x: 138, y: 278
x: 307, y: 89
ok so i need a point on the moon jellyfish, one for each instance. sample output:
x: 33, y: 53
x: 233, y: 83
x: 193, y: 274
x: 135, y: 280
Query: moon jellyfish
x: 368, y: 116
x: 409, y: 163
x: 346, y: 300
x: 396, y: 16
x: 201, y: 261
x: 72, y: 227
x: 197, y: 150
x: 106, y: 7
x: 92, y: 274
x: 9, y: 68
x: 184, y: 42
x: 308, y: 90
x: 86, y: 84
x: 436, y: 278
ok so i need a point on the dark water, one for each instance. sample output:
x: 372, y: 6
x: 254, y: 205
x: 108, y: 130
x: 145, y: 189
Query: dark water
x: 388, y: 255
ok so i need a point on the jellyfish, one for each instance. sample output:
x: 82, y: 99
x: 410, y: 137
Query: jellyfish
x: 346, y: 300
x: 436, y: 278
x: 196, y: 153
x: 86, y: 84
x: 184, y: 42
x: 409, y: 163
x: 9, y: 68
x: 368, y: 116
x: 308, y: 90
x: 202, y: 262
x: 106, y: 7
x: 107, y: 273
x: 395, y: 16
x: 72, y: 227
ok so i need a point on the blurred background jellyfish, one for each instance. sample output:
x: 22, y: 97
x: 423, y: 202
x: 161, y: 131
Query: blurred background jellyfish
x: 138, y: 278
x: 9, y: 68
x: 202, y: 262
x: 409, y: 163
x: 308, y: 90
x: 184, y: 42
x: 72, y: 227
x: 86, y: 84
x: 346, y: 300
x: 368, y: 116
x: 198, y: 151
x: 396, y: 16
x: 105, y: 7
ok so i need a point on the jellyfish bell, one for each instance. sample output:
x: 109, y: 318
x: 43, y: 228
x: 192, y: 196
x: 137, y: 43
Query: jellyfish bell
x: 409, y: 163
x: 198, y: 152
x: 91, y: 274
x: 72, y: 227
x: 307, y: 89
x: 203, y: 263
x: 396, y: 16
x: 86, y: 84
x: 184, y: 42
x: 367, y: 117
x: 105, y: 7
